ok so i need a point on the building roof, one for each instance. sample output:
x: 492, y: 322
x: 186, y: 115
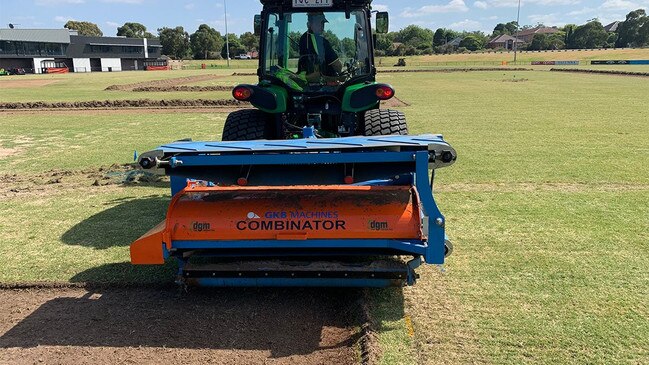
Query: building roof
x: 503, y: 38
x: 612, y: 27
x: 537, y: 30
x: 456, y: 41
x: 36, y: 35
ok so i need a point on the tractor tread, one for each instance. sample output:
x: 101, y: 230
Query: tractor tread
x: 382, y: 122
x: 245, y: 125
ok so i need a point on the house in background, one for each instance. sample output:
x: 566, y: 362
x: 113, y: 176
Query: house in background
x: 612, y: 28
x: 526, y: 35
x: 505, y: 41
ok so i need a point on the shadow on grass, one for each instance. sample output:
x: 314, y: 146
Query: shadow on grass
x: 284, y: 322
x: 126, y: 274
x: 119, y: 225
x: 386, y: 306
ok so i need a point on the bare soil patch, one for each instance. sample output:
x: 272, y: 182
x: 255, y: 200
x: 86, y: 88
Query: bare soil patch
x: 6, y: 152
x: 25, y: 83
x: 165, y: 82
x: 135, y: 103
x: 515, y: 80
x: 142, y: 325
x: 182, y: 88
x: 439, y: 70
x: 602, y: 72
x: 12, y: 185
x: 103, y: 111
x: 464, y: 69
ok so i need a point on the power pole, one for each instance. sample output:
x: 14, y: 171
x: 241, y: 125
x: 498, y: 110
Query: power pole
x: 227, y: 43
x: 518, y: 26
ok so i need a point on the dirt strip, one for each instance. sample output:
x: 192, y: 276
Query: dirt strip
x: 135, y: 103
x: 154, y: 326
x: 166, y: 82
x: 461, y: 69
x: 12, y: 185
x: 46, y: 183
x: 182, y: 88
x: 604, y: 72
x: 139, y: 104
x: 441, y: 70
x: 112, y: 111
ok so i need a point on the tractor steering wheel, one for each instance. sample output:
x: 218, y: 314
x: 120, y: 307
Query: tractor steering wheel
x: 352, y: 69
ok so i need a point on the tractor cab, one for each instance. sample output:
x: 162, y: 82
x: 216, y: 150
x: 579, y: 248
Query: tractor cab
x: 316, y: 69
x: 316, y: 50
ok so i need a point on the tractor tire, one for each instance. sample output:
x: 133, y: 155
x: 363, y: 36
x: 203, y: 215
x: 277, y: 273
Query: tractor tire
x: 246, y: 125
x: 383, y: 122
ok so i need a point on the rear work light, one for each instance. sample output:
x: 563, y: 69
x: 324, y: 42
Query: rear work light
x: 384, y: 92
x: 241, y: 93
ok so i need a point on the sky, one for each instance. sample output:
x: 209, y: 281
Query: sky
x: 454, y: 14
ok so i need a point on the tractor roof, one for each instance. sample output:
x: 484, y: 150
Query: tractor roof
x: 288, y: 4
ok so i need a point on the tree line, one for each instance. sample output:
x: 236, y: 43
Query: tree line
x: 205, y: 43
x: 413, y: 40
x: 208, y: 43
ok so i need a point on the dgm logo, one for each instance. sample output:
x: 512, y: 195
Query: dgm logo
x: 201, y: 226
x: 378, y: 225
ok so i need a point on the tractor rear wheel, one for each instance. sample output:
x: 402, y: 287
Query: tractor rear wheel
x: 382, y: 122
x: 246, y: 125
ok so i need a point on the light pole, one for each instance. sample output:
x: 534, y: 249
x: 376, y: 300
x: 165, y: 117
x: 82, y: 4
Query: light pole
x: 518, y: 26
x: 227, y: 43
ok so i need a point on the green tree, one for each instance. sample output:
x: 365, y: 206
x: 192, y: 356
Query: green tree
x: 234, y: 44
x: 333, y: 40
x: 443, y: 36
x: 384, y: 42
x: 134, y: 30
x: 204, y: 41
x: 175, y: 42
x: 294, y: 44
x: 348, y: 46
x: 612, y: 39
x: 634, y: 31
x: 439, y: 38
x: 569, y: 30
x: 589, y: 35
x: 472, y: 42
x: 84, y: 28
x: 505, y: 28
x: 546, y: 41
x: 250, y: 41
x: 416, y: 37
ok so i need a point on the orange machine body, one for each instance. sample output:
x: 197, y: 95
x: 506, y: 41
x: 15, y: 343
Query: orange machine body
x: 213, y: 213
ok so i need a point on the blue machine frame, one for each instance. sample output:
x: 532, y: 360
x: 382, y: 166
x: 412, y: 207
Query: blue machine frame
x: 410, y: 156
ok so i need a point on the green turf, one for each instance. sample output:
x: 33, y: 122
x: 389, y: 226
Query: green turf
x: 90, y: 86
x: 44, y: 142
x: 547, y: 205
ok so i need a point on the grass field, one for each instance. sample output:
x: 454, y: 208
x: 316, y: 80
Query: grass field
x: 86, y: 86
x: 548, y: 208
x: 472, y: 59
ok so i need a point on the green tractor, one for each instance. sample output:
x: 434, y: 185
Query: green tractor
x: 316, y: 73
